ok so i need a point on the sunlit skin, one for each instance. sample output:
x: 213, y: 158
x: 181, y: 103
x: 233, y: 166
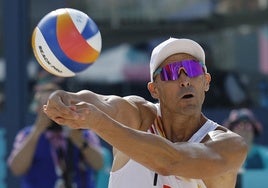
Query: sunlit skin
x: 123, y: 121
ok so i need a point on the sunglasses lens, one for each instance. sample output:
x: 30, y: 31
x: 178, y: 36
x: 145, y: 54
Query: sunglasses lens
x: 193, y: 68
x: 171, y: 71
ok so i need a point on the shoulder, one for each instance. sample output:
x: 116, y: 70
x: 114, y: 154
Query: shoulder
x: 140, y: 110
x: 140, y: 102
x: 223, y: 138
x: 228, y: 145
x: 126, y: 102
x: 122, y: 103
x: 136, y: 100
x: 222, y: 133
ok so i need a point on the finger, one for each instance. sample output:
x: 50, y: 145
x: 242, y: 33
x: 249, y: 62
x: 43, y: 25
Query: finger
x: 62, y: 104
x: 82, y: 113
x: 56, y: 108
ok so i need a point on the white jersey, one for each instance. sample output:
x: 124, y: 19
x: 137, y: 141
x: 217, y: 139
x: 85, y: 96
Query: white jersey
x: 135, y: 175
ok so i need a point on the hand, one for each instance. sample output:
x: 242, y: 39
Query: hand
x: 79, y: 116
x: 60, y: 106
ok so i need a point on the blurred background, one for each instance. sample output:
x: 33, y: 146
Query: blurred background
x: 234, y: 34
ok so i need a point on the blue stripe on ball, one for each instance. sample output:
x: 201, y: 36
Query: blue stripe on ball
x: 48, y: 28
x: 90, y: 29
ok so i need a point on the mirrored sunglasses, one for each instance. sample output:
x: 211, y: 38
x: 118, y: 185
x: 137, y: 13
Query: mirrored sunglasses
x: 171, y: 72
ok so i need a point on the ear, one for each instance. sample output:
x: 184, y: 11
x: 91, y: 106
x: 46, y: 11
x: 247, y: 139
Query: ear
x: 151, y: 86
x: 207, y: 82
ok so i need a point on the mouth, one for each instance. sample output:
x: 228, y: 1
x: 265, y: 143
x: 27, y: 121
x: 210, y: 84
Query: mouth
x: 187, y: 96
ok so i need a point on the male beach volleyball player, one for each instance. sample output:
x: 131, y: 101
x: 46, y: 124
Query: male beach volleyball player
x: 170, y: 144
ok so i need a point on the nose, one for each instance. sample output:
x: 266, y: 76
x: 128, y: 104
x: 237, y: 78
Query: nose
x: 184, y: 80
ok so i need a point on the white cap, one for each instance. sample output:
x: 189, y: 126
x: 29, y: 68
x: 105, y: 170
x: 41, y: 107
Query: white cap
x: 174, y: 46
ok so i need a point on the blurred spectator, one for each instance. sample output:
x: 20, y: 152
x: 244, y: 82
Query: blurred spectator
x: 243, y: 122
x: 255, y: 169
x: 46, y: 155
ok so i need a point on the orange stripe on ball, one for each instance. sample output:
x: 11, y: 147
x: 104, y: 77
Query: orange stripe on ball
x: 72, y: 43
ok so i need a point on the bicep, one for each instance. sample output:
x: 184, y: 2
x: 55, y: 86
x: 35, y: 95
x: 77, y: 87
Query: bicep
x: 125, y: 110
x: 229, y: 145
x: 130, y: 110
x: 222, y: 153
x: 229, y: 149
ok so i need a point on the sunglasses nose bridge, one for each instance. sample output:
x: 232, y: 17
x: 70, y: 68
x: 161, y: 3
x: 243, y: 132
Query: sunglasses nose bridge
x: 183, y: 78
x: 181, y: 70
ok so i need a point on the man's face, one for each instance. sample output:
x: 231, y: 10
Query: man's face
x: 184, y: 95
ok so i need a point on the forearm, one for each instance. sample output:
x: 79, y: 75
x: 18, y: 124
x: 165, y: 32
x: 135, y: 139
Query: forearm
x: 105, y: 103
x: 20, y: 160
x: 196, y: 160
x: 140, y: 146
x: 93, y: 156
x: 86, y: 96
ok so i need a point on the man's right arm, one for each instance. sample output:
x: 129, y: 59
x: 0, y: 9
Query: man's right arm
x: 62, y: 106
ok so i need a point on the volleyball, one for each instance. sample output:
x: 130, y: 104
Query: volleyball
x: 66, y: 41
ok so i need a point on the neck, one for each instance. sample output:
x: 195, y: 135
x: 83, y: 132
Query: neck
x: 181, y: 129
